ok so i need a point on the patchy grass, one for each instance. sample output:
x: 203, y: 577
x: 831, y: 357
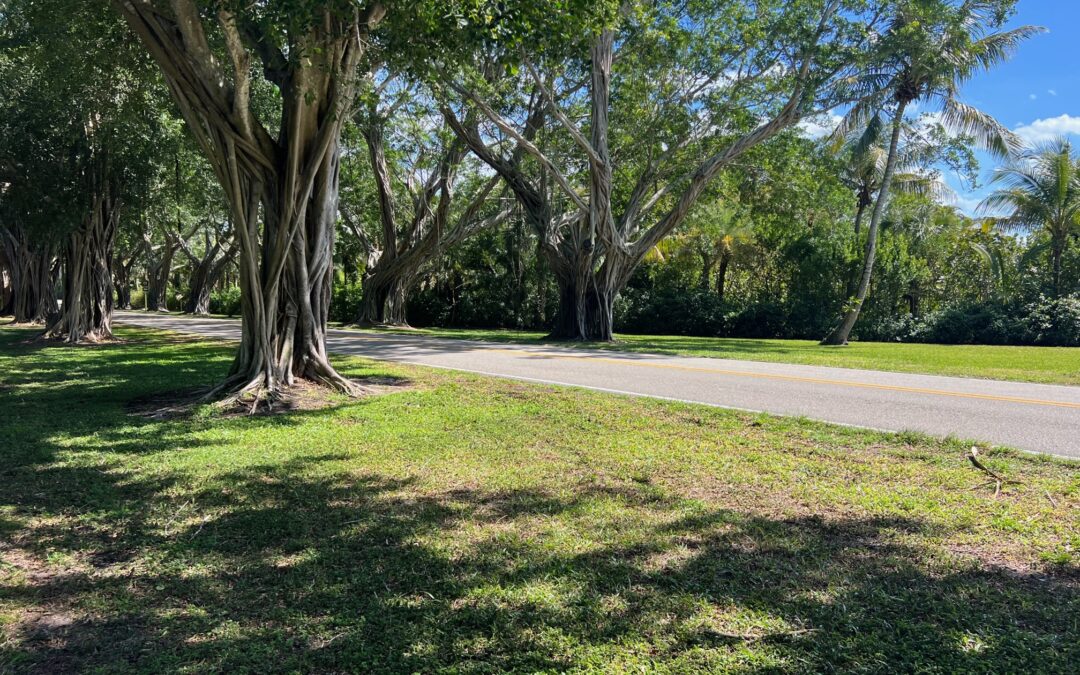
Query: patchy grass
x: 1048, y: 365
x: 466, y: 524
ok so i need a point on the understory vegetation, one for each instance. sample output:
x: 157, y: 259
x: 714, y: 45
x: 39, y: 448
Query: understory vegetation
x: 458, y: 523
x: 934, y: 283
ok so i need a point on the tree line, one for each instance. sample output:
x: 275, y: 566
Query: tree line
x: 578, y: 165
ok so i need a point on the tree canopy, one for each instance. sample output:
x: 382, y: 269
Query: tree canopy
x: 577, y: 166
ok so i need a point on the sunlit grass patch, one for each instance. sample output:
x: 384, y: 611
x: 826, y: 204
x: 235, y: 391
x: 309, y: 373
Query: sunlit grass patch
x: 470, y: 524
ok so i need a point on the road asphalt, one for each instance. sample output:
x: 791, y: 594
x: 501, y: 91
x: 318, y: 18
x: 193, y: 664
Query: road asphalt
x: 1034, y: 417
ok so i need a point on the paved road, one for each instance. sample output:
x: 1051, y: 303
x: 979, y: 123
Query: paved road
x: 1035, y: 417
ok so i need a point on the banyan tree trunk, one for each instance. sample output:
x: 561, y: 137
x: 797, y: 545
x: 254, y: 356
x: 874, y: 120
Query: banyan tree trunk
x: 383, y: 301
x: 123, y: 292
x: 7, y: 295
x: 286, y: 250
x: 284, y: 324
x: 587, y: 315
x: 33, y: 299
x: 197, y: 300
x: 122, y: 277
x: 86, y: 315
x: 157, y: 285
x: 204, y: 277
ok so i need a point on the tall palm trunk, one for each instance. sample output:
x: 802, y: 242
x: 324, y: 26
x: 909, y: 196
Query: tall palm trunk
x: 1057, y: 249
x: 721, y: 274
x: 840, y: 334
x: 864, y: 201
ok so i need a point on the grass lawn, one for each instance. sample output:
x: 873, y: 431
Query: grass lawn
x: 464, y: 524
x: 1049, y: 365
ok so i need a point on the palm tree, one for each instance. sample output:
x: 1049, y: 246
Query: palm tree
x: 1041, y: 189
x: 931, y: 49
x: 712, y: 232
x: 864, y: 160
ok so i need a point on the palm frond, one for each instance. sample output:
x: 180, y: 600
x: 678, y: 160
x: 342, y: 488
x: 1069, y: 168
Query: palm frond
x: 993, y: 260
x: 994, y: 49
x: 871, y: 136
x: 854, y: 121
x: 987, y: 132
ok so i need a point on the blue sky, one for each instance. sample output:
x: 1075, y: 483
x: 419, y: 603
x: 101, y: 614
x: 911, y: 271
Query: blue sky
x: 1036, y: 93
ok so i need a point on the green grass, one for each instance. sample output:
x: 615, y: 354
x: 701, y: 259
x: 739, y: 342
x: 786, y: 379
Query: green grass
x: 465, y: 524
x: 1050, y: 365
x: 1047, y: 365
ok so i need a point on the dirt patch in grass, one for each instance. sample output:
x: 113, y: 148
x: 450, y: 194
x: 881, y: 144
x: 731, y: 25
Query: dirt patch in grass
x: 85, y: 343
x: 304, y: 396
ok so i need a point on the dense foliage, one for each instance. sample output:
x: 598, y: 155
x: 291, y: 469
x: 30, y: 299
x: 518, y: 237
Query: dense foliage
x: 504, y: 165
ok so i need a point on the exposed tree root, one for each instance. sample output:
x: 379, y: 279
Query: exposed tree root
x: 94, y: 338
x: 254, y: 398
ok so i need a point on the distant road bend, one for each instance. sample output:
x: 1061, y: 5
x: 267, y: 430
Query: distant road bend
x: 1035, y: 417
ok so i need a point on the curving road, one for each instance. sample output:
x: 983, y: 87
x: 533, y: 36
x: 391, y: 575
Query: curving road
x: 1034, y: 417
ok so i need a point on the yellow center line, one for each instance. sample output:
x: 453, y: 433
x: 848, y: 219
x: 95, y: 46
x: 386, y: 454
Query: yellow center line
x: 790, y: 378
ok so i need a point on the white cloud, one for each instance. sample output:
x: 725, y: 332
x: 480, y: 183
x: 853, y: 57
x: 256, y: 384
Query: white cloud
x: 1032, y: 96
x: 1043, y: 130
x: 820, y: 126
x: 1052, y: 92
x: 968, y: 203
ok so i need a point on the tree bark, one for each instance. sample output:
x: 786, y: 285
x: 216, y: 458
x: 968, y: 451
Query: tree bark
x: 86, y: 315
x: 7, y: 295
x: 864, y: 201
x: 33, y: 300
x: 590, y: 253
x: 840, y: 334
x: 122, y: 277
x: 587, y: 314
x: 1057, y: 250
x: 393, y: 269
x: 285, y: 266
x: 721, y: 275
x: 205, y: 274
x: 383, y: 302
x: 708, y: 262
x: 158, y: 270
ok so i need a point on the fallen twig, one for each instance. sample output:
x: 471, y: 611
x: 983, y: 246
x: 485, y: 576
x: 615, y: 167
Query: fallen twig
x: 973, y: 457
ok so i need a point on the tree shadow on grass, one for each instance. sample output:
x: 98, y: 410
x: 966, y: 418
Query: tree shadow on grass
x: 82, y: 396
x: 362, y: 573
x: 313, y: 565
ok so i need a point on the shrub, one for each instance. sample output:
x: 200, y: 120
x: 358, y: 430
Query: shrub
x: 694, y: 312
x: 1041, y: 321
x: 225, y: 301
x: 345, y: 301
x: 1052, y: 321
